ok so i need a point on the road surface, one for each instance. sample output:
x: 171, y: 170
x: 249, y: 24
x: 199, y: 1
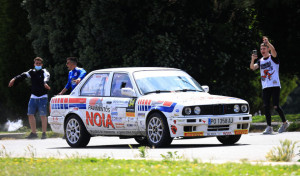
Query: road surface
x: 252, y: 147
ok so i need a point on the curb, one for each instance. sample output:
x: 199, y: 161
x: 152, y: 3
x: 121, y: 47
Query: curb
x: 254, y: 127
x: 12, y: 135
x: 262, y: 126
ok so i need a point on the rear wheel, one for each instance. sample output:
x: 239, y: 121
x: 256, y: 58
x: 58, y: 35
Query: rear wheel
x: 141, y: 140
x: 76, y: 133
x: 158, y: 134
x: 228, y: 140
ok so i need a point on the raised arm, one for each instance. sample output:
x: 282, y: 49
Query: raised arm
x: 273, y: 51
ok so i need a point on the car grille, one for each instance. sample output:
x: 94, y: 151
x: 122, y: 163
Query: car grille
x: 218, y: 128
x: 220, y: 109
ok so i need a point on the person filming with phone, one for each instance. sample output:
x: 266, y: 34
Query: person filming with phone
x: 269, y: 71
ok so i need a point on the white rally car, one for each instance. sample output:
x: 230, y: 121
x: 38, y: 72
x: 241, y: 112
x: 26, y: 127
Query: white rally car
x: 151, y: 105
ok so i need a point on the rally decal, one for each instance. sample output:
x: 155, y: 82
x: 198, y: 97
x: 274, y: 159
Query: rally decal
x: 191, y: 134
x: 98, y: 115
x: 174, y: 129
x: 130, y: 110
x: 244, y: 131
x: 147, y: 105
x: 66, y: 103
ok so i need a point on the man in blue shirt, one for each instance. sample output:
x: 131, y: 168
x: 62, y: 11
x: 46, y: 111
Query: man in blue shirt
x: 76, y: 74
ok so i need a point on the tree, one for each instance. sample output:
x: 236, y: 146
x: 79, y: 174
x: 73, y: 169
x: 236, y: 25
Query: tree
x: 15, y: 57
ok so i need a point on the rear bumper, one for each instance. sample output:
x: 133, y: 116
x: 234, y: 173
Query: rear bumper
x: 56, y: 124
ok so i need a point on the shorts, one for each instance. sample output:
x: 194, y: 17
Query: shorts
x: 37, y: 105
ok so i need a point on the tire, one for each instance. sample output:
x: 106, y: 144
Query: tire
x: 229, y: 140
x: 141, y: 140
x: 76, y: 133
x: 157, y: 133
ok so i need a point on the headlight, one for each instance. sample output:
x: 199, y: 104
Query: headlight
x: 244, y: 108
x: 197, y: 110
x: 188, y: 111
x: 236, y: 108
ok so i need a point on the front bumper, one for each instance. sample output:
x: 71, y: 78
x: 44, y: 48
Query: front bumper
x: 214, y: 125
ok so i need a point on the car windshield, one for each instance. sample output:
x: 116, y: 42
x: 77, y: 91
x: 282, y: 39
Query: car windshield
x: 165, y: 81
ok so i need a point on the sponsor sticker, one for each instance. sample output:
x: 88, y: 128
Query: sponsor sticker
x: 130, y: 114
x: 227, y: 133
x: 174, y: 129
x: 243, y: 131
x: 211, y: 134
x: 141, y: 114
x: 191, y: 134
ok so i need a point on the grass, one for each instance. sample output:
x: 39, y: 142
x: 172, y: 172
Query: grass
x: 93, y: 166
x: 276, y: 118
x: 295, y: 118
x: 284, y: 152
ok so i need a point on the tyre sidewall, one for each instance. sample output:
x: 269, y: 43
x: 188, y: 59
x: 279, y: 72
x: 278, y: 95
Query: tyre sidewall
x: 166, y: 138
x: 229, y: 140
x: 84, y: 137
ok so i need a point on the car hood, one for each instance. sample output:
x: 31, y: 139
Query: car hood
x: 193, y: 98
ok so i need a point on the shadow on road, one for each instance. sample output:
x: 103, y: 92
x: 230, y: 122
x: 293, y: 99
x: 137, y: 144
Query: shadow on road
x: 136, y: 146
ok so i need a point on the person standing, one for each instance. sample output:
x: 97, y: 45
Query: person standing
x: 39, y: 98
x: 76, y: 74
x: 269, y: 71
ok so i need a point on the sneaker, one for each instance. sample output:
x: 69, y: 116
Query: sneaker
x: 32, y: 136
x: 44, y: 136
x: 283, y: 127
x: 268, y: 130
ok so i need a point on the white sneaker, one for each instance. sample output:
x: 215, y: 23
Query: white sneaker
x: 283, y: 127
x: 268, y: 130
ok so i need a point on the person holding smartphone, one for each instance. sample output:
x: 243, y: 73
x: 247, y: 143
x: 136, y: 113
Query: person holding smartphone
x: 269, y: 71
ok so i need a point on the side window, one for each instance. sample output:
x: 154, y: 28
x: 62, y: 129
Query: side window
x: 95, y: 85
x: 120, y: 80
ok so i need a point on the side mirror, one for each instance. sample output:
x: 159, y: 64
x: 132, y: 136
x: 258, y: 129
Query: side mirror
x: 206, y: 88
x: 128, y: 92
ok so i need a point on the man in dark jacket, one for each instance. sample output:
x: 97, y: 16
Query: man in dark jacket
x: 39, y: 98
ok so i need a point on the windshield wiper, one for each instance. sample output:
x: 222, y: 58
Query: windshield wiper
x: 185, y: 90
x: 156, y: 91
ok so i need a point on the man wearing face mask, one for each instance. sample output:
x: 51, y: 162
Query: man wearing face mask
x: 39, y: 98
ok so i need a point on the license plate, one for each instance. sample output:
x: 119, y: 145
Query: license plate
x: 220, y: 121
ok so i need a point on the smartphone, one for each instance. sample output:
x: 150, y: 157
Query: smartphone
x: 254, y: 52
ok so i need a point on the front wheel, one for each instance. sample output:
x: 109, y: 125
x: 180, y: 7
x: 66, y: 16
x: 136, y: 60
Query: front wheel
x: 229, y: 140
x: 158, y: 134
x: 76, y: 133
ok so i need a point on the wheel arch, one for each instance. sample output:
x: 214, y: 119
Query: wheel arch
x: 70, y: 114
x: 155, y: 111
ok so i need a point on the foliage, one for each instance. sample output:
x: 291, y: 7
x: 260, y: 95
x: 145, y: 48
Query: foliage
x: 170, y: 156
x: 94, y: 166
x: 284, y: 152
x: 293, y: 100
x: 276, y: 118
x: 16, y: 56
x: 211, y: 40
x: 143, y: 151
x: 285, y: 14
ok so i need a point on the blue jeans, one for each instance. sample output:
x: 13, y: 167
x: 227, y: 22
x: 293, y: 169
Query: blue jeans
x: 37, y: 104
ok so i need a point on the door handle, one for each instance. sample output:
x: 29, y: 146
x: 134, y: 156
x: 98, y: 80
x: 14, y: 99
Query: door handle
x: 108, y: 102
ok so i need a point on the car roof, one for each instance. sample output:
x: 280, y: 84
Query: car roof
x: 134, y: 69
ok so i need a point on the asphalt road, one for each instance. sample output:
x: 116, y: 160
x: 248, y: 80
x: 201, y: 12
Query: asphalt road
x: 251, y: 147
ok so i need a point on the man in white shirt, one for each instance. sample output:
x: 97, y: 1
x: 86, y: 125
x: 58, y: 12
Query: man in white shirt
x: 269, y: 71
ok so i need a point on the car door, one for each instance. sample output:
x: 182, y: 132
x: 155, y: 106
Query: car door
x: 123, y: 109
x: 98, y: 113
